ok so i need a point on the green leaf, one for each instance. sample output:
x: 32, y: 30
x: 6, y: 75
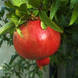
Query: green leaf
x: 73, y: 2
x: 29, y: 6
x: 43, y: 25
x: 35, y: 3
x: 45, y: 19
x: 23, y: 7
x: 8, y: 26
x: 33, y: 75
x: 17, y: 21
x: 13, y: 58
x: 45, y: 3
x: 74, y: 15
x: 18, y: 12
x: 35, y: 12
x: 18, y: 3
x: 40, y: 74
x: 54, y: 7
x: 14, y: 19
x: 9, y: 4
x: 22, y: 10
x: 19, y: 32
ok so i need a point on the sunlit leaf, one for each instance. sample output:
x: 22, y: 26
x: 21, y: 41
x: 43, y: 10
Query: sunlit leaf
x: 45, y: 19
x: 14, y: 19
x: 18, y: 3
x: 8, y: 26
x: 43, y: 25
x: 19, y: 32
x: 74, y: 15
x: 35, y: 12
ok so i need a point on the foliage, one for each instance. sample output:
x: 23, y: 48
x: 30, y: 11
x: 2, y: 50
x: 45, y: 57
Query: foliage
x: 20, y: 68
x: 61, y: 15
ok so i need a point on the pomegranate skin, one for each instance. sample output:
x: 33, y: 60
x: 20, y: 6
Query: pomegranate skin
x: 43, y: 62
x: 36, y: 43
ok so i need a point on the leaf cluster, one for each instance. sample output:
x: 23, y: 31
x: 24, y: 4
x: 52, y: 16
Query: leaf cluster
x: 20, y: 67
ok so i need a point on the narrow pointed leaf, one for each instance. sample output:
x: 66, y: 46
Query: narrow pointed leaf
x: 74, y: 15
x: 54, y: 7
x: 45, y: 19
x: 43, y: 25
x: 19, y: 32
x: 4, y: 29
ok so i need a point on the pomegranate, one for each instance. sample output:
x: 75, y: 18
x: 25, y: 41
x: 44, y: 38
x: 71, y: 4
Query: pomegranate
x: 36, y: 43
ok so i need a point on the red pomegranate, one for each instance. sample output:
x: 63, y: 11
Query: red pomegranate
x: 36, y: 43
